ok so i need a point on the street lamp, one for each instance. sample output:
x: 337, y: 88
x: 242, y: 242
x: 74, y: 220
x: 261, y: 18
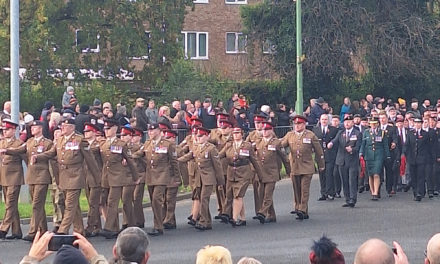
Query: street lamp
x: 299, y: 60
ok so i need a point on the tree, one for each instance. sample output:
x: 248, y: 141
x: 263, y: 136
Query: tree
x: 389, y: 47
x: 101, y: 35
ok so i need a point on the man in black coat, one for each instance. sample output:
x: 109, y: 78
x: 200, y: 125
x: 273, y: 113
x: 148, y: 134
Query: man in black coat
x: 390, y: 164
x: 417, y: 155
x: 138, y: 113
x: 325, y: 134
x: 348, y: 143
x: 82, y: 118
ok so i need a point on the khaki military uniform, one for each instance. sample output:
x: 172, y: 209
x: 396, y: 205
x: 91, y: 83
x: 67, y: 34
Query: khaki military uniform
x: 161, y: 169
x: 239, y: 172
x: 220, y: 141
x: 187, y: 168
x: 271, y: 157
x: 71, y: 152
x: 11, y: 178
x: 138, y: 197
x: 302, y: 147
x: 38, y: 178
x: 56, y: 194
x: 254, y: 137
x: 169, y: 206
x: 121, y: 179
x: 93, y: 190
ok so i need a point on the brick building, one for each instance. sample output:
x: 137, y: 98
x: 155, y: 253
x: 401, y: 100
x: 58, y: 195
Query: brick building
x: 213, y: 40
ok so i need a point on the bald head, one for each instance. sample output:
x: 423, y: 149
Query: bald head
x: 433, y: 249
x: 374, y: 251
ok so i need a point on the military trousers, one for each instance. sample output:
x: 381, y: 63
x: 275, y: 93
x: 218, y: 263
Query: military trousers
x: 169, y: 206
x: 72, y: 213
x: 138, y: 197
x: 11, y: 218
x: 93, y: 216
x: 38, y: 194
x: 301, y: 191
x: 157, y: 197
x: 267, y: 209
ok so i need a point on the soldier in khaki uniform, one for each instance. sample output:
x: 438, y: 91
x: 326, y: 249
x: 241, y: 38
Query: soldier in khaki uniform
x: 93, y: 185
x: 55, y: 192
x: 71, y: 150
x: 138, y: 197
x: 37, y: 176
x: 254, y: 137
x: 209, y: 172
x: 302, y: 143
x: 271, y: 157
x: 11, y: 177
x: 187, y: 169
x: 239, y: 155
x: 169, y: 205
x: 225, y: 128
x: 161, y: 169
x: 122, y: 176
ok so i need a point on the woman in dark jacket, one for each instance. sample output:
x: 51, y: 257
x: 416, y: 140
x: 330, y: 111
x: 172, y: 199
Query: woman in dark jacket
x: 283, y: 116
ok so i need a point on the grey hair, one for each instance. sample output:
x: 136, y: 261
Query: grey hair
x: 132, y: 245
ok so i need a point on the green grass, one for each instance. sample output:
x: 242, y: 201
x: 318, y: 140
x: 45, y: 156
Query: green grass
x: 25, y: 209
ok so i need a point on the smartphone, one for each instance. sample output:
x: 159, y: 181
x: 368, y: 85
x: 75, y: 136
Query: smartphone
x: 57, y: 241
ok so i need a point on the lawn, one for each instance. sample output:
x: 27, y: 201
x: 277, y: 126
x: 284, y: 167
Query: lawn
x: 25, y: 209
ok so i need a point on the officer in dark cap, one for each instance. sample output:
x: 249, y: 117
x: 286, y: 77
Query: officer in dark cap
x: 417, y: 156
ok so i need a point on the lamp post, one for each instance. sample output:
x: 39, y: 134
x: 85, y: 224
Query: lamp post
x: 299, y: 59
x: 15, y: 61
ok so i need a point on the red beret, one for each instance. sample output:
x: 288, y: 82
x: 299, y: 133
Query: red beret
x: 267, y: 125
x: 259, y: 118
x: 138, y: 132
x: 90, y: 127
x: 201, y: 131
x: 127, y: 131
x: 164, y: 126
x: 221, y: 116
x: 7, y: 123
x: 299, y: 119
x: 196, y: 122
x: 236, y: 130
x: 224, y: 124
x: 169, y: 134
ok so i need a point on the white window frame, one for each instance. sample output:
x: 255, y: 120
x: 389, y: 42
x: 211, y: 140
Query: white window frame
x: 144, y: 57
x: 88, y: 50
x: 236, y: 51
x: 201, y: 1
x: 197, y: 57
x: 236, y: 2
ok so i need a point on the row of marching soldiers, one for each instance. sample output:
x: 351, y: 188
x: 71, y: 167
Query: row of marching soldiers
x: 111, y: 169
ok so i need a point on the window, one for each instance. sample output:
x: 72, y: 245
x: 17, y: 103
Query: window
x: 236, y: 2
x: 268, y: 47
x: 87, y: 41
x: 200, y: 1
x: 145, y: 49
x: 195, y: 45
x: 235, y: 42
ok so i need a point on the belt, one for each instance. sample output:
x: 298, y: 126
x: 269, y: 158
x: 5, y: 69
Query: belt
x: 239, y: 163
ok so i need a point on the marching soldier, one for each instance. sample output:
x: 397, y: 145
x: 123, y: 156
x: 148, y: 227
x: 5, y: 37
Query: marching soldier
x: 187, y: 169
x: 302, y: 143
x: 139, y: 218
x: 225, y: 129
x: 121, y: 179
x: 169, y: 206
x: 240, y: 155
x: 71, y: 150
x: 271, y: 157
x: 374, y: 150
x: 11, y: 177
x: 55, y: 192
x: 37, y: 176
x: 209, y: 172
x: 93, y: 185
x: 254, y: 137
x: 161, y: 168
x: 417, y: 156
x: 347, y: 144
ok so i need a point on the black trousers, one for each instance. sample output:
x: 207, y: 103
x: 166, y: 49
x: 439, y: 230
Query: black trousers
x: 418, y: 179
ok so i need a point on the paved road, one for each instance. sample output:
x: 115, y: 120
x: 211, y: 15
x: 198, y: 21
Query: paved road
x: 288, y: 241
